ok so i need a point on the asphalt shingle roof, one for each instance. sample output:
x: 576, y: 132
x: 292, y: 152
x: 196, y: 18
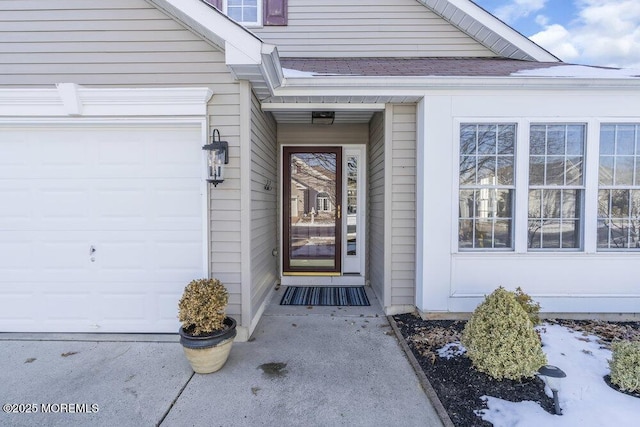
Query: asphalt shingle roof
x: 451, y: 67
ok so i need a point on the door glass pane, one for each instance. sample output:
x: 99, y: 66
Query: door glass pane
x: 314, y: 210
x: 352, y: 204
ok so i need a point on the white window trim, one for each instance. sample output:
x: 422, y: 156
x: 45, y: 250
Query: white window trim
x: 521, y: 212
x: 257, y: 24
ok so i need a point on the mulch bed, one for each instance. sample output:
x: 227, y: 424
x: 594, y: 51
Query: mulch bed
x: 460, y: 387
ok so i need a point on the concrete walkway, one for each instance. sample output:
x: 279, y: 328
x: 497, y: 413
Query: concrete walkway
x: 324, y: 366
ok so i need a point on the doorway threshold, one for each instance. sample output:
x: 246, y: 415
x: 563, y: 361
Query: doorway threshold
x: 345, y: 280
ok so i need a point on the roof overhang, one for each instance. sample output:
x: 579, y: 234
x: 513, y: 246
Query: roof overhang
x: 248, y: 57
x: 488, y: 30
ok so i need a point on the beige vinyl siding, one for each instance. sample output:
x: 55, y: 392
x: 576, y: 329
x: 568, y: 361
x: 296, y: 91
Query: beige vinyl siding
x: 264, y: 204
x: 97, y: 42
x: 130, y: 43
x: 368, y: 28
x: 375, y: 214
x: 403, y: 206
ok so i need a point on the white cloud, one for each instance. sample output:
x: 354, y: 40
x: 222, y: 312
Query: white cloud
x: 606, y: 32
x: 519, y: 9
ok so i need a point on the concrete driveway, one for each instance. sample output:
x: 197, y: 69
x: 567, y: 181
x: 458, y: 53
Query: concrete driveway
x: 325, y: 366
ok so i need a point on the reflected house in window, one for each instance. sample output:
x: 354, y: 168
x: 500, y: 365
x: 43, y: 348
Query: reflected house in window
x: 312, y: 190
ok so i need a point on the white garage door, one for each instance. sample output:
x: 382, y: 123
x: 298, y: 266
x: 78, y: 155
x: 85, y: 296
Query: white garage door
x: 100, y: 226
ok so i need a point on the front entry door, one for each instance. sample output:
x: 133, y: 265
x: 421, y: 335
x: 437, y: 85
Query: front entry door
x: 313, y: 215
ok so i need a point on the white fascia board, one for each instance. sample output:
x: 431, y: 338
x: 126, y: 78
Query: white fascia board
x: 69, y: 99
x: 275, y: 106
x: 400, y: 86
x: 216, y: 28
x: 492, y: 24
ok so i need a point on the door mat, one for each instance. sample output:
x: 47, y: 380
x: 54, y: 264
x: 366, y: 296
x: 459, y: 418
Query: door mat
x: 321, y: 295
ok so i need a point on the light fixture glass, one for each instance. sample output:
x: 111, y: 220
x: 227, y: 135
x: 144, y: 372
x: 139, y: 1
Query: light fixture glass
x: 217, y: 157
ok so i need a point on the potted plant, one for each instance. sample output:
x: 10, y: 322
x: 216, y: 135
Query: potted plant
x: 206, y: 333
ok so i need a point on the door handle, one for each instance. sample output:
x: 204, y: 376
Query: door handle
x: 339, y: 211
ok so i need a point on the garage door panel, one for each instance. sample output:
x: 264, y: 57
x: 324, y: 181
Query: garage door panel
x: 132, y: 192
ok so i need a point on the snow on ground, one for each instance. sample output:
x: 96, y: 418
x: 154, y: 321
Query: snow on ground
x: 586, y: 400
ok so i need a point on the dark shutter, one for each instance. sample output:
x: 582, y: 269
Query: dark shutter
x: 215, y: 3
x: 275, y: 12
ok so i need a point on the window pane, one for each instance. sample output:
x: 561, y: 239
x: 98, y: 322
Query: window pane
x: 624, y: 170
x: 606, y: 170
x: 625, y: 143
x: 467, y: 170
x: 467, y: 139
x: 465, y: 234
x: 607, y: 139
x: 505, y: 170
x: 235, y: 13
x: 483, y: 232
x: 570, y: 236
x: 603, y: 234
x: 555, y: 140
x: 570, y: 204
x: 575, y: 140
x: 487, y: 139
x: 250, y: 14
x: 467, y: 206
x: 536, y: 170
x: 573, y: 170
x: 486, y: 170
x: 502, y: 233
x: 506, y: 139
x: 620, y: 203
x: 535, y: 203
x: 603, y: 203
x: 534, y: 231
x: 551, y: 230
x: 537, y: 140
x: 555, y: 170
x: 504, y: 202
x: 551, y: 202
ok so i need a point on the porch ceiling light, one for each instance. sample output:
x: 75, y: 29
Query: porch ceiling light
x: 552, y: 375
x: 323, y: 117
x: 217, y: 157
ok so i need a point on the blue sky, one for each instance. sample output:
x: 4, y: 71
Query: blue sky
x: 594, y: 32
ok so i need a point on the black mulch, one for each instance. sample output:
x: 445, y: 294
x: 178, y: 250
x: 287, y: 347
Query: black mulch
x: 459, y: 386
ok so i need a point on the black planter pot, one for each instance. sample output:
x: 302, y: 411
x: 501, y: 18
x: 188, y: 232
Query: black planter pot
x: 208, y: 353
x: 209, y: 340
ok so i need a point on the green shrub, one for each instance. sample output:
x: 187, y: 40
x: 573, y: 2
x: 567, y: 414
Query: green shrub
x: 500, y: 339
x: 625, y: 365
x: 531, y: 307
x: 202, y: 307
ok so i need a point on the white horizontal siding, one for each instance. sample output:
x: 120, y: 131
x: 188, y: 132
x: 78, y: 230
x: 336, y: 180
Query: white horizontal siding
x: 337, y: 134
x: 368, y: 28
x: 375, y: 217
x: 403, y: 206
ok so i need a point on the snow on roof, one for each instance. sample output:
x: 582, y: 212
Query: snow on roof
x: 444, y: 67
x: 580, y: 71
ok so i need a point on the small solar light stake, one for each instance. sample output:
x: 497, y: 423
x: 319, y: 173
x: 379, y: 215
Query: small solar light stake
x: 551, y: 375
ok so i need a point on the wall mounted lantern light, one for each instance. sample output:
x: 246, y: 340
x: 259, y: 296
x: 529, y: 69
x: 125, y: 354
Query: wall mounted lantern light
x: 552, y: 376
x: 217, y: 157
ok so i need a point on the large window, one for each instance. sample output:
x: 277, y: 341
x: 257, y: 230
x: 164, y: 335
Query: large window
x: 619, y: 187
x: 556, y: 185
x: 487, y: 186
x: 248, y: 12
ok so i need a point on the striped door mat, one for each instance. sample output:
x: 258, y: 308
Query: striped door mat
x: 321, y: 295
